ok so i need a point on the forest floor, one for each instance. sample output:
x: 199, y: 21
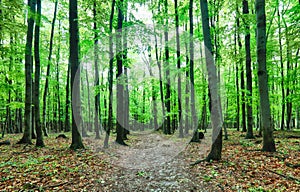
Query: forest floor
x: 151, y: 162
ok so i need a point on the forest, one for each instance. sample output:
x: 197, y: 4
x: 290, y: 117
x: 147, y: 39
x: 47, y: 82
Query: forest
x: 149, y: 95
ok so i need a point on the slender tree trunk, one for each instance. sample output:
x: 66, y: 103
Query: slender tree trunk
x: 242, y: 74
x: 216, y: 111
x: 167, y: 68
x: 75, y: 78
x: 158, y: 61
x: 48, y: 68
x: 67, y: 117
x: 110, y: 76
x: 237, y: 73
x: 178, y: 67
x: 26, y: 139
x: 59, y: 122
x: 187, y: 89
x: 191, y: 59
x: 282, y: 69
x: 248, y: 74
x: 288, y: 84
x: 96, y: 83
x: 39, y: 140
x: 268, y: 140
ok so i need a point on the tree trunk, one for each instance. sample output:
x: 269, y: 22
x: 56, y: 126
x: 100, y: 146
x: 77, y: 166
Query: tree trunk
x: 167, y: 68
x: 67, y: 112
x: 36, y: 100
x: 178, y: 67
x: 187, y: 89
x: 48, y: 69
x: 110, y: 75
x: 288, y: 84
x: 120, y: 86
x: 158, y: 61
x: 216, y: 111
x: 75, y: 78
x: 237, y: 73
x: 249, y: 134
x: 194, y: 121
x: 96, y: 83
x: 242, y: 74
x: 26, y: 139
x: 268, y: 140
x: 59, y: 122
x: 281, y: 65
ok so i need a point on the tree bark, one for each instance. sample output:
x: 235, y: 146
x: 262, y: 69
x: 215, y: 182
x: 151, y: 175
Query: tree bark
x: 167, y: 129
x: 216, y: 111
x: 67, y: 112
x: 36, y: 100
x: 110, y: 76
x: 120, y: 86
x: 48, y: 68
x: 75, y: 78
x: 96, y: 83
x: 26, y: 139
x: 281, y: 65
x: 268, y: 140
x: 237, y: 71
x: 194, y: 121
x: 178, y: 54
x: 249, y: 134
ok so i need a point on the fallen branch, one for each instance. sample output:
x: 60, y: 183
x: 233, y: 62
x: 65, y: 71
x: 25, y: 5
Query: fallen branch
x: 51, y: 186
x: 292, y: 165
x: 284, y: 176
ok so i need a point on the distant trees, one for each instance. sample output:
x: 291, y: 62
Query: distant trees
x: 250, y: 102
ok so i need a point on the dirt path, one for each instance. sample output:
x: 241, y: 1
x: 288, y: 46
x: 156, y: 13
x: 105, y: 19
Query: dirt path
x: 152, y: 162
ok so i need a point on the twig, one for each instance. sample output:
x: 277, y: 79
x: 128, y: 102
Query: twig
x: 285, y: 176
x: 55, y: 185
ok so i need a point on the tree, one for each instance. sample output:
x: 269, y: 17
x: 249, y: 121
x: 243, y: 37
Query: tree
x: 96, y: 83
x: 248, y: 73
x: 191, y: 75
x: 268, y: 140
x: 167, y: 128
x: 26, y: 139
x: 48, y: 68
x: 178, y: 67
x: 120, y: 86
x: 110, y: 75
x: 36, y: 100
x: 75, y: 78
x: 216, y: 111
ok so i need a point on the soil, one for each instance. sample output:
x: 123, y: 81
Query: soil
x: 153, y: 162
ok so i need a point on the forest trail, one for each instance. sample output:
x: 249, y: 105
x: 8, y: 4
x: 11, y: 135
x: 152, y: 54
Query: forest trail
x: 152, y: 162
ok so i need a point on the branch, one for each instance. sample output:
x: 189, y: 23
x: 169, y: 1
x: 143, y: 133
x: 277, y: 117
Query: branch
x: 285, y: 176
